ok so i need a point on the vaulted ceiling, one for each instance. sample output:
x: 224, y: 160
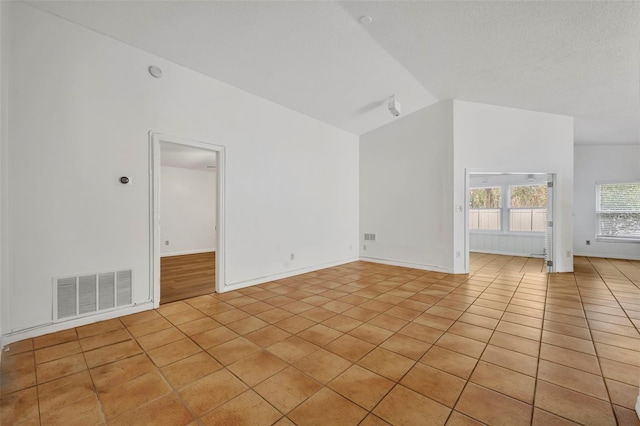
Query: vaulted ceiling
x: 573, y: 58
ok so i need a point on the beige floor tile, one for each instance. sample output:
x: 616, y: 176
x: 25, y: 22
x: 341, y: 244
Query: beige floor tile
x: 119, y: 399
x: 327, y: 407
x: 442, y: 387
x: 190, y: 369
x: 160, y: 338
x: 342, y: 323
x: 104, y: 339
x: 512, y: 360
x: 624, y: 373
x: 459, y: 419
x: 320, y: 334
x: 626, y: 417
x: 492, y: 407
x: 569, y: 358
x: 361, y: 386
x: 471, y: 331
x: 387, y: 363
x: 100, y: 327
x: 572, y: 405
x: 350, y: 347
x: 167, y: 410
x: 257, y: 367
x: 577, y: 380
x: 55, y: 338
x: 112, y: 353
x: 404, y: 406
x: 292, y: 349
x: 212, y: 391
x: 287, y: 389
x: 322, y: 365
x: 114, y: 374
x: 172, y: 352
x: 505, y: 381
x: 267, y: 336
x: 246, y: 409
x: 20, y: 407
x: 371, y: 333
x: 460, y: 344
x: 544, y: 418
x: 214, y: 337
x: 452, y: 362
x: 60, y: 367
x: 515, y: 343
x: 233, y: 350
x: 83, y: 412
x: 623, y: 394
x: 294, y: 324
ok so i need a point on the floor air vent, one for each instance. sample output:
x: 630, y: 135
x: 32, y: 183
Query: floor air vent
x: 88, y: 294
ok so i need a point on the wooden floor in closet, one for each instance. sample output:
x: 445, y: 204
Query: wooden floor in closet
x: 185, y: 276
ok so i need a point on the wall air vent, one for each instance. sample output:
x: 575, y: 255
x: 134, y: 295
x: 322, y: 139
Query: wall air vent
x: 369, y: 237
x: 89, y: 294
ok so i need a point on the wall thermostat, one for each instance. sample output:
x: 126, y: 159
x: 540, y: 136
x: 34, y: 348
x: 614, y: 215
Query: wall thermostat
x: 155, y: 71
x: 125, y: 180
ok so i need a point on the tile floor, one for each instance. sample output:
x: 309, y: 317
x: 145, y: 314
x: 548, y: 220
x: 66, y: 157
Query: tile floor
x: 356, y: 344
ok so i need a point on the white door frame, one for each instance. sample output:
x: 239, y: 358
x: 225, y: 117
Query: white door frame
x: 551, y: 204
x: 155, y: 139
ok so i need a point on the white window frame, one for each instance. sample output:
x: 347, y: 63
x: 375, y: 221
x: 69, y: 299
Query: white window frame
x: 510, y: 207
x: 598, y: 212
x: 501, y: 208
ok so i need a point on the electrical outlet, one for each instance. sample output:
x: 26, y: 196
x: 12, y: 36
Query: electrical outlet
x: 364, y: 247
x: 292, y: 256
x: 568, y: 253
x: 166, y: 243
x: 457, y: 254
x: 588, y: 242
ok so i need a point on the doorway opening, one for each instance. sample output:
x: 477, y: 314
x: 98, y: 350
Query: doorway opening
x: 510, y: 213
x: 187, y: 205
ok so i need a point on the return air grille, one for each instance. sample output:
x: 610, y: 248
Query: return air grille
x: 91, y: 293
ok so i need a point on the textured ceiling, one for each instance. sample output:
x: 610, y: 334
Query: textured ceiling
x: 574, y: 58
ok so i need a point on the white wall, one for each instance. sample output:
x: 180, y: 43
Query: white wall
x: 594, y: 164
x: 4, y: 39
x: 492, y: 138
x: 406, y: 188
x: 187, y: 211
x: 81, y: 108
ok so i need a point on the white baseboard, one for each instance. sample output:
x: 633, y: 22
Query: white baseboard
x: 507, y: 253
x: 423, y: 266
x: 182, y: 253
x: 607, y: 256
x: 638, y: 406
x: 43, y: 329
x: 292, y: 273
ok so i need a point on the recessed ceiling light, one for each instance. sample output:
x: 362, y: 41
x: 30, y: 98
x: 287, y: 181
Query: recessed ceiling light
x: 365, y: 20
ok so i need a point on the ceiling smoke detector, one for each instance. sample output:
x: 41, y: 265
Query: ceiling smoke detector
x: 394, y: 106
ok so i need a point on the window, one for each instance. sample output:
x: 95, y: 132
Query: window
x: 528, y: 208
x: 618, y: 211
x: 485, y: 211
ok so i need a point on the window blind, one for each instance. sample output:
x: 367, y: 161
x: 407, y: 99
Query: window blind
x: 618, y: 211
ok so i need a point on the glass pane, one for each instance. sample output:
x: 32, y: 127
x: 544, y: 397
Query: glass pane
x: 485, y: 198
x: 523, y: 196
